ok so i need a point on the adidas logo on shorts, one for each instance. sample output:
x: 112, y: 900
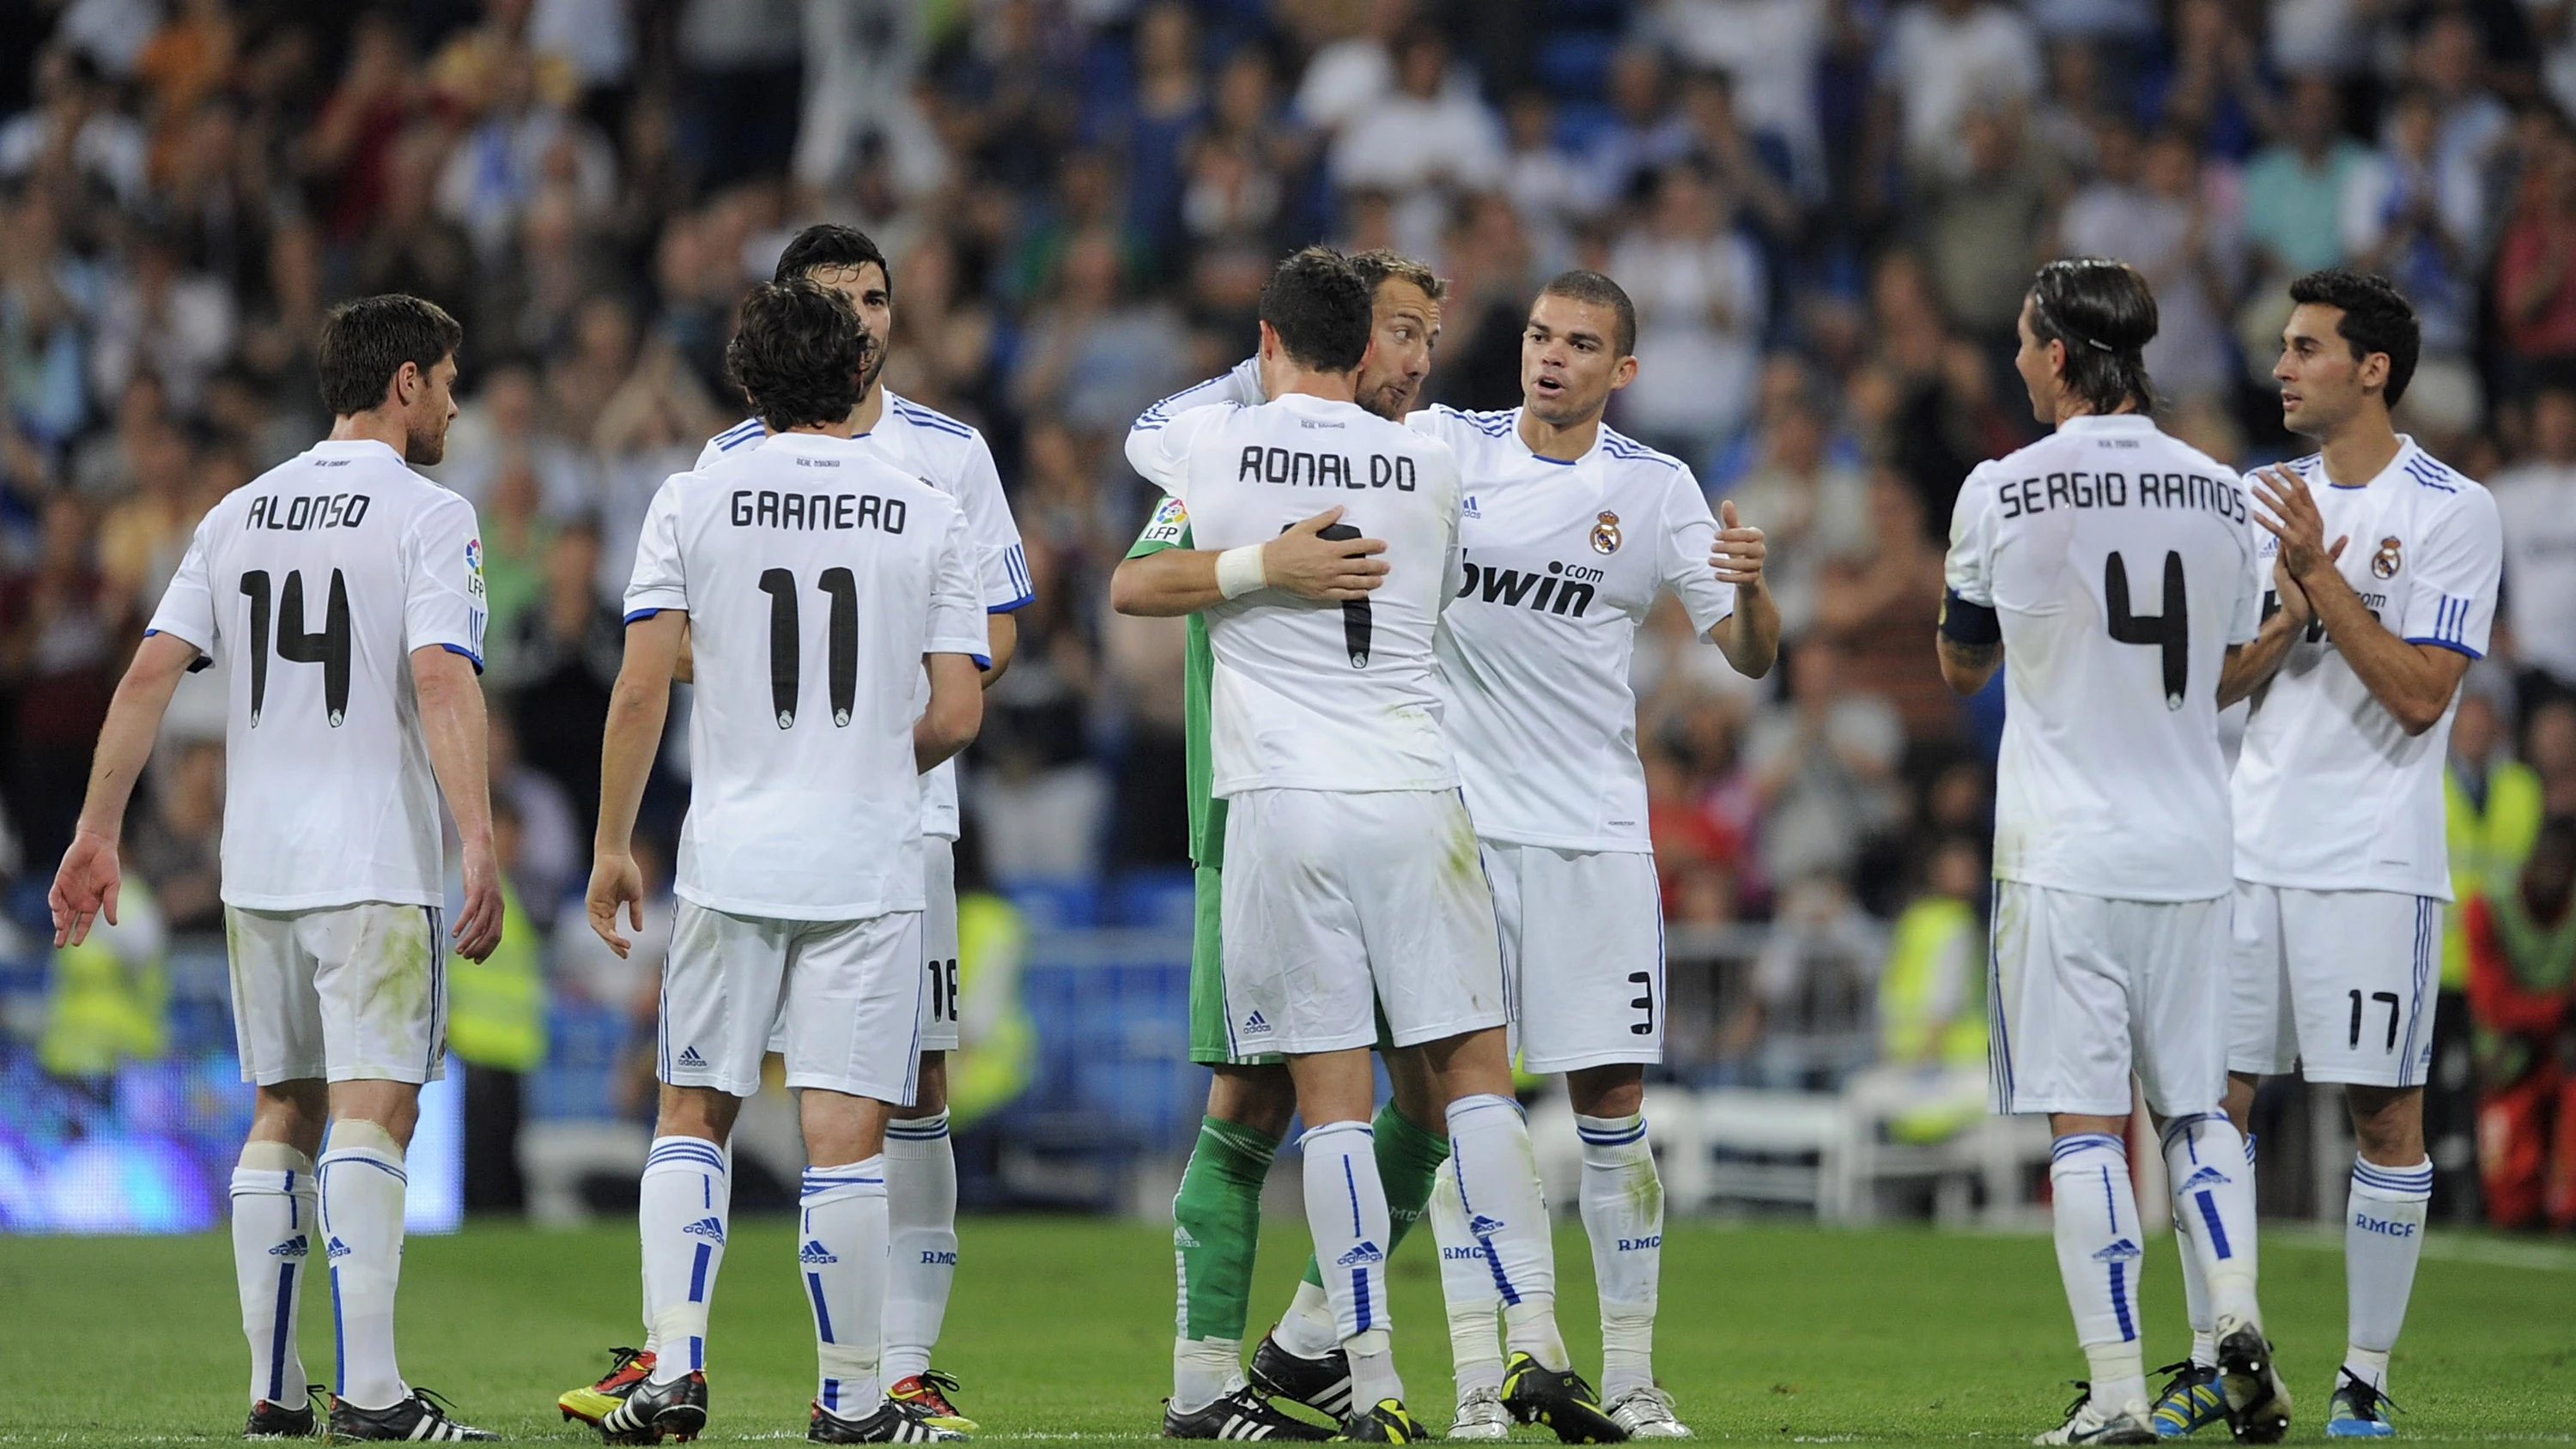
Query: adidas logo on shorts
x: 2123, y: 1251
x: 1483, y: 1226
x: 337, y: 1249
x: 294, y: 1247
x: 815, y: 1252
x: 706, y: 1227
x: 689, y: 1057
x: 1256, y: 1022
x: 1366, y: 1252
x: 2206, y: 1177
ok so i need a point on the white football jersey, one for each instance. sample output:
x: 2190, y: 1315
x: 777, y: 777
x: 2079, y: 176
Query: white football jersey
x: 1239, y: 385
x: 310, y: 587
x: 951, y: 457
x: 1310, y: 694
x: 2117, y: 560
x: 815, y: 577
x: 2331, y: 792
x: 1561, y: 562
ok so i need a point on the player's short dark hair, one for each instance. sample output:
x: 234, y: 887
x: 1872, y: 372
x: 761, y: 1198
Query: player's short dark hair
x: 2105, y: 314
x: 1378, y: 266
x: 2376, y: 318
x: 1320, y: 308
x: 828, y: 245
x: 365, y: 342
x: 798, y: 354
x: 1596, y: 290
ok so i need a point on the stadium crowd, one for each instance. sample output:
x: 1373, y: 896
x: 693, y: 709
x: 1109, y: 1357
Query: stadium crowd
x: 1827, y: 210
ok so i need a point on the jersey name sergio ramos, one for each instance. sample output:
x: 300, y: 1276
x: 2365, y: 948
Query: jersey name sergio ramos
x: 1562, y: 561
x: 951, y: 457
x: 2115, y: 558
x: 1314, y: 694
x: 2331, y: 792
x: 310, y: 588
x: 815, y: 577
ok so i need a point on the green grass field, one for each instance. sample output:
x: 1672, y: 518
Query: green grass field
x: 1062, y: 1329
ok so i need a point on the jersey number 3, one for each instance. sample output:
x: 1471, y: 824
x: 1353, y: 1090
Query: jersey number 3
x: 330, y: 648
x: 2169, y: 631
x: 786, y: 654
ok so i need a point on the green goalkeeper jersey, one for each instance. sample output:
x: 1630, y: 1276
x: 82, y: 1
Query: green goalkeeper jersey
x: 1170, y: 528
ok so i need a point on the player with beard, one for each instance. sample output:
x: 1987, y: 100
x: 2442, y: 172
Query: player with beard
x: 1217, y: 1214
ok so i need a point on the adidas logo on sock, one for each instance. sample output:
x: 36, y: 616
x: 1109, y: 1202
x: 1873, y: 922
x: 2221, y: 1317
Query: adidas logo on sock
x: 1256, y: 1022
x: 2206, y: 1177
x: 1181, y: 1238
x: 814, y: 1252
x: 707, y: 1227
x: 689, y: 1057
x: 1483, y: 1226
x: 2123, y: 1251
x: 1366, y: 1252
x: 294, y: 1247
x: 337, y: 1249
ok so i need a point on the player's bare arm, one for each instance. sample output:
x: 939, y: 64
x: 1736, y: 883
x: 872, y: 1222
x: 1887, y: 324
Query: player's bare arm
x: 458, y: 734
x: 955, y: 713
x: 2413, y: 682
x: 1179, y: 581
x: 637, y: 709
x: 87, y: 882
x: 1749, y: 637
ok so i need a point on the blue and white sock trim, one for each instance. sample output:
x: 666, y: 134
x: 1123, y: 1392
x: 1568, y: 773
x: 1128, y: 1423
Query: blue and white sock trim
x: 817, y: 1183
x: 685, y: 1151
x: 918, y: 1129
x: 2084, y: 1142
x: 1619, y: 1137
x: 2398, y: 1182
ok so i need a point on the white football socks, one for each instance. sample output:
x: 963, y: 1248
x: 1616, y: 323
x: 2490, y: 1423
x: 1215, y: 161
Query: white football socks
x: 1307, y: 1328
x: 2097, y: 1256
x: 1204, y: 1370
x: 841, y: 1251
x: 362, y: 1225
x: 921, y: 1199
x: 1346, y: 1212
x: 1489, y: 1150
x: 274, y: 1230
x: 1623, y: 1214
x: 2213, y: 1205
x: 685, y: 1199
x: 1467, y: 1287
x: 2383, y: 1235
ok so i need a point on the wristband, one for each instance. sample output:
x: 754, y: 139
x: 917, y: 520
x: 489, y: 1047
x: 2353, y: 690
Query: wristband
x: 1239, y: 571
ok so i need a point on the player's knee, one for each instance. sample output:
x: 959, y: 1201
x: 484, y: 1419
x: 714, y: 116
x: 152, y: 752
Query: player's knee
x: 393, y: 1106
x: 2388, y: 1123
x: 701, y: 1112
x: 1261, y: 1098
x: 1617, y: 1090
x: 930, y: 1089
x: 294, y: 1113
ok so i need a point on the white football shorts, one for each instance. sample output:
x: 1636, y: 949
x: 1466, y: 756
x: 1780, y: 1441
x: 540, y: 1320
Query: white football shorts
x: 2084, y: 990
x: 1583, y: 954
x: 1337, y: 905
x: 2341, y: 983
x: 343, y: 993
x: 939, y: 945
x: 845, y: 997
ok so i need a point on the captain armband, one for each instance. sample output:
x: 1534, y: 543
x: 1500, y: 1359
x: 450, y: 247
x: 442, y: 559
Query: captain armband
x: 1966, y: 623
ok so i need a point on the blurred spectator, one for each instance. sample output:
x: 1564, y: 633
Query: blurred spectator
x: 177, y: 844
x: 1648, y: 132
x: 496, y: 1026
x: 1982, y: 222
x: 182, y: 322
x: 1881, y: 602
x: 561, y: 659
x: 2549, y: 746
x: 2522, y: 986
x: 2535, y: 283
x: 74, y: 133
x: 2296, y: 189
x: 1930, y: 1080
x: 1770, y: 50
x: 107, y: 1000
x: 1547, y: 186
x: 1812, y: 508
x: 2216, y: 90
x: 2536, y: 500
x: 1094, y: 355
x: 142, y: 538
x: 1350, y: 74
x: 1425, y: 140
x: 64, y: 637
x: 1170, y: 101
x: 1700, y: 294
x: 1943, y: 59
x: 2416, y: 220
x: 553, y: 846
x: 46, y: 293
x: 741, y: 57
x: 2162, y: 220
x: 1824, y: 764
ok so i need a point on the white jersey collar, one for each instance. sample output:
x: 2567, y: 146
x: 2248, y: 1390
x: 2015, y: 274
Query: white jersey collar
x: 2108, y: 423
x: 358, y: 448
x: 2397, y: 461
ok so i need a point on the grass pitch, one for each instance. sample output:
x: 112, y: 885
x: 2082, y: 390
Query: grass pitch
x: 1061, y: 1328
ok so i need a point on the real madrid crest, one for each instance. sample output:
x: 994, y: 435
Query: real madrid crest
x: 2385, y: 563
x: 1605, y: 533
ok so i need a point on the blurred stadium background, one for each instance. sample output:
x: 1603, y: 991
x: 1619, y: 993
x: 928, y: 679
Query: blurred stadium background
x: 1826, y: 209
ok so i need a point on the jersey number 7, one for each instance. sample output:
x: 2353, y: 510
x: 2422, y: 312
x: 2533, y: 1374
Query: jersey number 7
x: 786, y: 658
x: 2169, y: 631
x: 1358, y: 623
x: 330, y: 648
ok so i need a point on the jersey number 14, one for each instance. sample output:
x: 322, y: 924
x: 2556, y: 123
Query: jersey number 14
x: 2169, y: 632
x: 329, y: 648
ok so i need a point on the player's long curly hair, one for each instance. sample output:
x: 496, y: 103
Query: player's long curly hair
x: 2105, y: 314
x: 799, y: 354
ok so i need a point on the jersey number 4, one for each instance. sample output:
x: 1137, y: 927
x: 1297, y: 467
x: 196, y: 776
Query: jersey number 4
x: 2169, y: 631
x: 786, y: 654
x: 329, y: 648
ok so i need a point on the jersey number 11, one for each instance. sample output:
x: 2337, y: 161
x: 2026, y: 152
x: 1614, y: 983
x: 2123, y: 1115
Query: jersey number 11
x: 786, y: 656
